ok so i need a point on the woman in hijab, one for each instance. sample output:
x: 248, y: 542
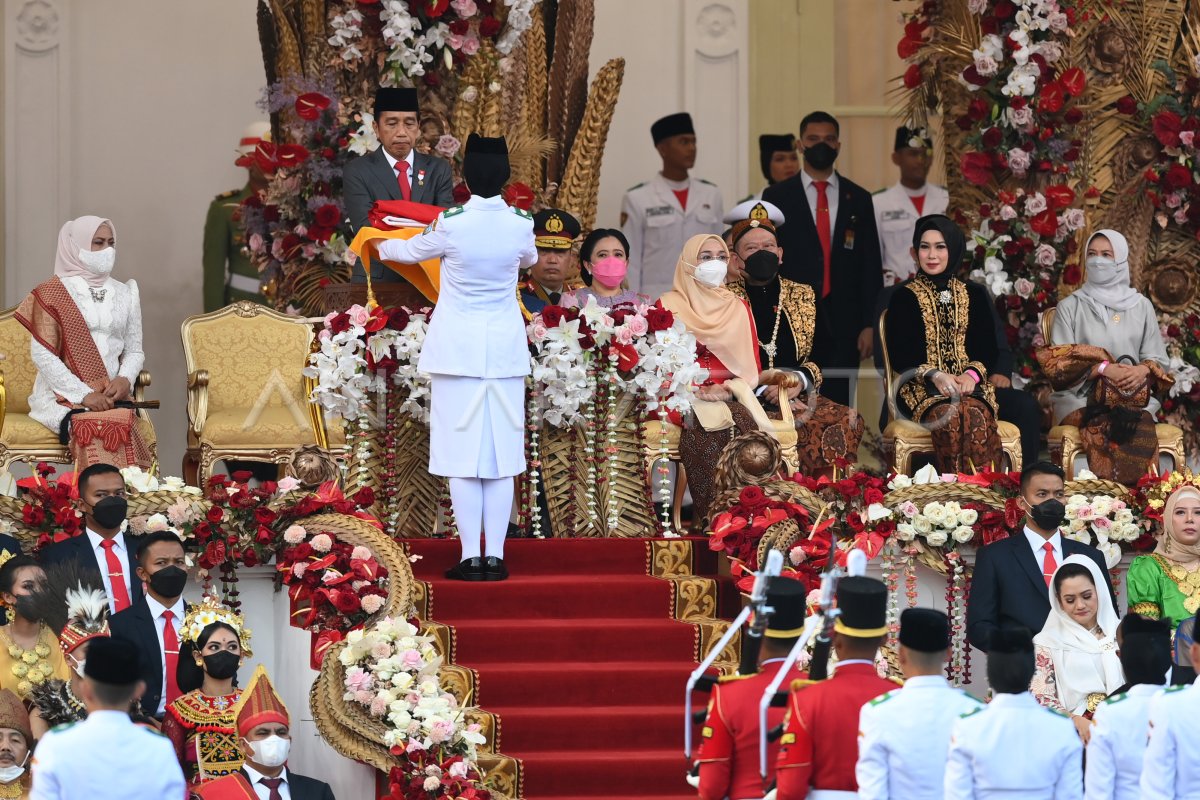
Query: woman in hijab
x: 1076, y: 651
x: 86, y: 330
x: 942, y: 345
x: 1165, y: 584
x: 1123, y: 347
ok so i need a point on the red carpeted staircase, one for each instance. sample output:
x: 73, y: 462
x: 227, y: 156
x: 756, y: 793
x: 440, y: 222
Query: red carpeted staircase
x: 583, y: 654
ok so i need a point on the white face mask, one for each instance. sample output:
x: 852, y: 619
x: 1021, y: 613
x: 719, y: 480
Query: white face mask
x: 712, y: 273
x: 99, y: 261
x: 271, y: 751
x: 77, y: 666
x: 1104, y: 271
x: 10, y: 774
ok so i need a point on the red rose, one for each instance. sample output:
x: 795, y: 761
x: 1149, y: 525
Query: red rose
x: 290, y: 245
x: 992, y: 137
x: 459, y: 27
x: 978, y: 109
x: 319, y: 234
x: 752, y: 496
x: 552, y: 315
x: 1178, y: 176
x: 907, y: 48
x: 215, y: 515
x: 339, y: 323
x: 1167, y: 125
x: 872, y: 495
x: 431, y: 79
x: 242, y: 475
x: 270, y: 213
x: 1004, y: 9
x: 364, y: 497
x: 1073, y: 116
x: 976, y: 168
x: 327, y: 216
x: 345, y: 602
x: 659, y: 319
x: 461, y: 193
x: 34, y: 516
x: 490, y: 26
x: 1052, y: 98
x: 250, y: 557
x: 912, y: 76
x: 1072, y: 275
x: 1045, y: 224
x: 847, y: 488
x: 398, y: 319
x: 310, y: 105
x: 1074, y: 81
x: 1127, y: 105
x: 1059, y: 196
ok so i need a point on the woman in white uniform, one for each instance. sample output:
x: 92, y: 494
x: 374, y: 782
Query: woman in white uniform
x: 477, y: 354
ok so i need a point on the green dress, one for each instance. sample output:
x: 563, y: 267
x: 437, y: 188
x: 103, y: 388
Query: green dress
x: 1161, y: 589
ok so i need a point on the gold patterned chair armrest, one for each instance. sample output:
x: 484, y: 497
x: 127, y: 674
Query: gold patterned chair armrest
x: 3, y: 403
x: 197, y: 403
x: 139, y: 385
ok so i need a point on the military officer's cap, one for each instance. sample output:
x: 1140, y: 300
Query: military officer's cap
x: 555, y: 229
x: 772, y: 143
x: 789, y: 599
x: 672, y: 125
x: 112, y: 661
x: 925, y: 630
x: 395, y: 98
x: 912, y: 138
x: 255, y: 133
x: 863, y: 606
x: 752, y: 214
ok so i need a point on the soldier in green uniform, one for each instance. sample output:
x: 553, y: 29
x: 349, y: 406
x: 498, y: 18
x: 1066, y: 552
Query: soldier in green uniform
x: 228, y: 273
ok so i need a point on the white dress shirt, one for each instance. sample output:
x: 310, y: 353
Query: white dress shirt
x: 1118, y: 745
x: 889, y: 766
x: 263, y: 791
x: 1037, y: 543
x: 831, y: 194
x: 408, y: 159
x: 1171, y: 766
x: 102, y: 563
x: 157, y: 610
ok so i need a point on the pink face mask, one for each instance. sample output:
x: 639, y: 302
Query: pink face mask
x: 610, y: 271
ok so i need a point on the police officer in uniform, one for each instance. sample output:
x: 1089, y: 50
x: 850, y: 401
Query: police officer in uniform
x: 107, y: 756
x: 728, y: 756
x: 1013, y: 747
x: 554, y: 232
x: 229, y: 275
x: 890, y: 767
x: 1171, y: 766
x: 660, y: 215
x: 898, y: 207
x: 820, y: 740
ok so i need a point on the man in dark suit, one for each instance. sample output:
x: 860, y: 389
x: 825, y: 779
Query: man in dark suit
x: 1011, y: 584
x: 263, y: 725
x: 830, y: 243
x: 154, y: 623
x: 394, y: 170
x: 102, y: 548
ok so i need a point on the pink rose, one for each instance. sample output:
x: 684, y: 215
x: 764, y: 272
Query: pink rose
x: 358, y: 315
x: 1045, y: 255
x: 637, y: 325
x: 1034, y: 204
x: 1007, y: 212
x: 1023, y: 287
x: 470, y: 45
x: 325, y: 335
x: 363, y: 698
x: 447, y: 146
x: 1180, y: 216
x: 1058, y: 21
x: 456, y: 42
x: 624, y: 335
x: 289, y: 483
x: 358, y: 679
x: 458, y: 769
x: 465, y: 8
x: 441, y: 731
x: 411, y: 659
x: 537, y: 332
x: 256, y: 242
x: 1173, y: 200
x: 1018, y: 161
x: 1073, y: 219
x: 1102, y: 523
x: 1187, y: 138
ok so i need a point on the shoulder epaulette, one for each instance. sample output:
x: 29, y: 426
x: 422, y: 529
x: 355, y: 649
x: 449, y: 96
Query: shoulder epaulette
x: 883, y: 698
x: 227, y: 195
x: 710, y: 183
x: 640, y: 185
x: 972, y: 712
x: 520, y: 212
x: 723, y: 679
x: 1116, y: 698
x: 452, y: 210
x: 801, y: 683
x: 1172, y: 689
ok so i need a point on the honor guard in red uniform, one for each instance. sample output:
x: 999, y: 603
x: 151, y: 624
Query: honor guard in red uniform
x: 819, y: 748
x: 728, y: 756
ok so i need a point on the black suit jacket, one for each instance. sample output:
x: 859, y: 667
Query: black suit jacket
x: 8, y: 544
x: 136, y: 624
x: 1008, y: 589
x: 369, y: 178
x: 855, y: 264
x: 79, y: 548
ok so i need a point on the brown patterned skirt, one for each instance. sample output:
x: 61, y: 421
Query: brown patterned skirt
x: 965, y: 438
x: 1120, y: 443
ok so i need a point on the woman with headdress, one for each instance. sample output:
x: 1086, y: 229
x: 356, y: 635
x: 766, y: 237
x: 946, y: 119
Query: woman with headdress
x: 86, y: 330
x: 941, y: 342
x: 57, y: 701
x: 1165, y: 584
x: 1076, y: 650
x: 1108, y: 364
x: 29, y: 650
x: 201, y: 722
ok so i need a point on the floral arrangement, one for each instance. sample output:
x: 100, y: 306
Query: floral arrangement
x: 49, y: 507
x: 391, y: 670
x: 737, y: 531
x: 332, y: 585
x: 857, y: 501
x: 1104, y: 522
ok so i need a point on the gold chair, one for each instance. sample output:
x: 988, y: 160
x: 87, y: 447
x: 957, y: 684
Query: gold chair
x: 904, y: 438
x: 1064, y: 440
x: 22, y: 438
x: 247, y: 396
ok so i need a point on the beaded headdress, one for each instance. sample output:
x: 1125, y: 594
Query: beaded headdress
x: 211, y: 610
x: 87, y: 617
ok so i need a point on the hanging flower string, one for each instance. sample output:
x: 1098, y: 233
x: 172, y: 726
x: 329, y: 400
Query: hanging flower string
x: 612, y: 500
x: 887, y: 561
x: 533, y: 457
x: 663, y: 467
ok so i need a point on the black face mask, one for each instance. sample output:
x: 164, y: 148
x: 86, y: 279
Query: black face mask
x: 110, y: 512
x: 820, y: 156
x: 169, y: 581
x: 222, y: 665
x: 25, y: 607
x: 762, y: 265
x: 1048, y: 514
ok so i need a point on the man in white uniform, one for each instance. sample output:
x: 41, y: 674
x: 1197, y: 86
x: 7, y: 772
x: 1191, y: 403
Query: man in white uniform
x: 477, y: 353
x: 1014, y: 747
x: 1171, y: 766
x: 658, y: 216
x: 898, y: 208
x: 925, y: 710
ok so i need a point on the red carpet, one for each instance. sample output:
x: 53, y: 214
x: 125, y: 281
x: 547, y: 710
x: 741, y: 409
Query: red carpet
x: 580, y: 657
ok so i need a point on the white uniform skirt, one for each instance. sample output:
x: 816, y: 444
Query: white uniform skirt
x: 476, y: 426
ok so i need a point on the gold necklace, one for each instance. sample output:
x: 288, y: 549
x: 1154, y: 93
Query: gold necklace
x: 30, y: 667
x: 14, y: 789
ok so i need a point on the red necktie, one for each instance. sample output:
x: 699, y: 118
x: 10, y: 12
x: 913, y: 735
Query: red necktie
x: 273, y: 785
x: 171, y: 652
x: 116, y: 576
x: 824, y: 234
x: 402, y: 179
x: 1049, y: 565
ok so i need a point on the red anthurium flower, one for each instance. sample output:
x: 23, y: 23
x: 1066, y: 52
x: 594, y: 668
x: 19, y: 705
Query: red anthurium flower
x: 267, y: 157
x: 725, y: 526
x: 292, y: 155
x: 1059, y: 196
x: 518, y: 195
x: 1045, y: 224
x: 310, y: 105
x: 1074, y: 81
x: 329, y: 492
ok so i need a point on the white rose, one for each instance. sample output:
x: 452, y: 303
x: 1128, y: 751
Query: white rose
x: 923, y: 526
x: 968, y: 516
x: 963, y: 534
x: 156, y: 522
x: 936, y: 539
x: 905, y: 532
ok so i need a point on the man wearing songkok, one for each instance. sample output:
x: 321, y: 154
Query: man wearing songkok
x: 554, y: 232
x: 728, y: 755
x: 107, y: 756
x: 819, y: 747
x: 229, y: 275
x: 264, y: 726
x: 898, y: 207
x: 1013, y: 747
x: 660, y: 215
x: 1171, y: 766
x: 890, y: 767
x: 1117, y: 747
x: 394, y: 170
x: 16, y: 739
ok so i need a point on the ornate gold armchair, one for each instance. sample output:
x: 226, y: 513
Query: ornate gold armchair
x: 903, y: 438
x: 247, y: 398
x: 22, y: 438
x: 1064, y: 441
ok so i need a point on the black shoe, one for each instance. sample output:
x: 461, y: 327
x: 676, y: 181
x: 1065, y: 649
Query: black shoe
x: 469, y: 569
x: 494, y: 569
